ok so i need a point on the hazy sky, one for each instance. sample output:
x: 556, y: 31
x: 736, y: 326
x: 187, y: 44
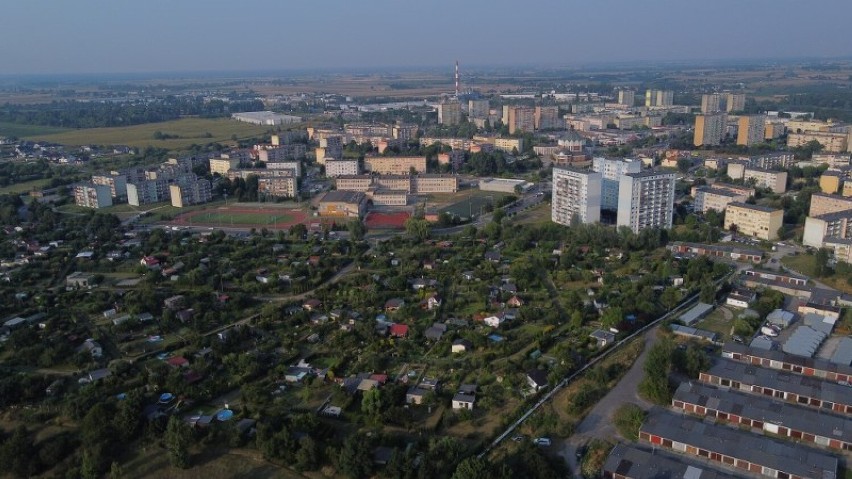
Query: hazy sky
x: 88, y: 36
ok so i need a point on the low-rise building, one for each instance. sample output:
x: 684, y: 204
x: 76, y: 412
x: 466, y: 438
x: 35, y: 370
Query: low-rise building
x: 832, y: 142
x: 426, y: 184
x: 630, y: 462
x: 343, y: 204
x: 223, y: 165
x: 837, y: 225
x: 718, y: 251
x: 781, y: 361
x: 753, y: 220
x: 360, y: 183
x: 710, y: 198
x: 747, y: 452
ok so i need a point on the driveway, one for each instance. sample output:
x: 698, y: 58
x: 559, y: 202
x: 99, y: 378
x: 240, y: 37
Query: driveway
x: 598, y: 423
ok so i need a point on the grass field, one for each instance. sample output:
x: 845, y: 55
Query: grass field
x: 213, y: 217
x: 20, y: 188
x: 14, y: 129
x: 473, y: 204
x: 534, y: 216
x: 189, y: 131
x: 806, y: 265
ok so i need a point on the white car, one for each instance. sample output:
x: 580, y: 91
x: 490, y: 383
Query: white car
x: 542, y: 441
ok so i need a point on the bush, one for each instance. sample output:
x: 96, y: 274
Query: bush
x: 628, y: 418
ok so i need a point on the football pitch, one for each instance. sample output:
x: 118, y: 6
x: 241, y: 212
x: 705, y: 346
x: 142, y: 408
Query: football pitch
x: 240, y: 219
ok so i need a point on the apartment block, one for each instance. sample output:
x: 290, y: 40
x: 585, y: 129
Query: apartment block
x: 223, y: 165
x: 837, y: 225
x: 772, y: 179
x: 478, y: 108
x: 774, y: 130
x: 659, y: 98
x: 393, y: 182
x: 147, y: 191
x: 287, y: 137
x: 833, y: 160
x: 758, y: 221
x: 577, y: 194
x: 404, y: 131
x: 734, y: 102
x: 426, y: 184
x: 521, y: 118
x: 709, y: 129
x: 366, y: 129
x: 509, y: 145
x: 711, y: 103
x: 277, y: 187
x: 771, y: 161
x: 395, y: 165
x: 831, y: 142
x: 190, y: 191
x: 822, y: 203
x: 646, y: 200
x: 547, y: 118
x: 449, y: 112
x: 281, y: 153
x: 751, y: 129
x: 117, y: 184
x: 710, y: 198
x: 611, y: 170
x: 295, y: 167
x: 89, y: 195
x: 335, y: 168
x: 830, y: 182
x: 749, y: 453
x: 626, y: 97
x: 330, y: 147
x: 360, y: 183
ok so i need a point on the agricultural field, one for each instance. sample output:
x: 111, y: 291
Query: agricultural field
x: 188, y: 131
x: 21, y: 188
x: 14, y: 129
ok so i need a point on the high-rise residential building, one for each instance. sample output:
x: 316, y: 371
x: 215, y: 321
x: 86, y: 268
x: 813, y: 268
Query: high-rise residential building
x: 577, y: 194
x: 709, y: 129
x: 611, y: 170
x: 478, y: 108
x: 89, y: 195
x: 711, y: 103
x: 753, y: 220
x: 659, y: 98
x: 546, y: 118
x: 117, y: 184
x: 148, y: 191
x: 330, y: 147
x: 646, y: 200
x: 751, y: 130
x: 190, y: 190
x: 335, y: 168
x: 521, y: 118
x: 734, y: 102
x: 449, y: 112
x: 626, y: 97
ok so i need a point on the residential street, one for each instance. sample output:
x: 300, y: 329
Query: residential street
x: 597, y: 424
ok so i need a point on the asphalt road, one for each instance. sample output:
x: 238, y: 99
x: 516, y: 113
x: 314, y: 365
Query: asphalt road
x: 598, y: 423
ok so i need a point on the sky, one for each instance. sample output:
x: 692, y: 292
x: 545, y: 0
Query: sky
x: 138, y: 36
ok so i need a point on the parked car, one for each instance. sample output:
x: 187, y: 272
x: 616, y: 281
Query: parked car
x: 542, y: 441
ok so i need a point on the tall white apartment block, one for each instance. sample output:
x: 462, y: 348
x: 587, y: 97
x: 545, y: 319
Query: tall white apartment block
x: 646, y: 200
x: 626, y: 97
x: 611, y: 170
x: 575, y: 193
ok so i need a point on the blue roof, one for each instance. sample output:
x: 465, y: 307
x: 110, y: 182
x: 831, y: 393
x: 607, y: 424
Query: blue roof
x: 224, y: 415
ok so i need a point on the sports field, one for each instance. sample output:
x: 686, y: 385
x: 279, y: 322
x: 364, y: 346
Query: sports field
x: 242, y: 217
x: 474, y: 204
x: 187, y: 130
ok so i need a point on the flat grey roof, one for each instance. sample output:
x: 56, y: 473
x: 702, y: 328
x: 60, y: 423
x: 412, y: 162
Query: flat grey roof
x: 695, y: 313
x: 636, y: 463
x: 819, y: 364
x: 763, y: 408
x: 764, y: 209
x: 808, y: 386
x: 788, y: 457
x: 843, y: 353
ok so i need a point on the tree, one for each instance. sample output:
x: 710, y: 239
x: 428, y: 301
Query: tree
x: 177, y: 442
x: 821, y: 258
x: 670, y: 298
x: 417, y: 227
x: 307, y: 456
x: 371, y: 403
x: 356, y: 230
x: 354, y: 459
x: 472, y: 468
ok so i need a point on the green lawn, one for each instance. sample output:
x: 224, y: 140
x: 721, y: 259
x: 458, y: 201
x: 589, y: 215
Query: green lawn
x: 14, y: 129
x: 213, y: 217
x: 474, y: 204
x: 189, y: 131
x: 803, y: 263
x: 25, y: 187
x: 717, y: 323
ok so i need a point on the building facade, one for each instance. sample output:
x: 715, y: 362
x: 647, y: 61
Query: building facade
x: 709, y: 129
x: 546, y: 118
x: 335, y: 168
x: 449, y: 112
x: 611, y: 170
x: 575, y: 194
x: 395, y: 165
x: 343, y: 204
x: 772, y: 179
x: 89, y: 195
x: 710, y: 198
x: 521, y: 118
x: 758, y: 221
x: 646, y: 200
x: 751, y: 130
